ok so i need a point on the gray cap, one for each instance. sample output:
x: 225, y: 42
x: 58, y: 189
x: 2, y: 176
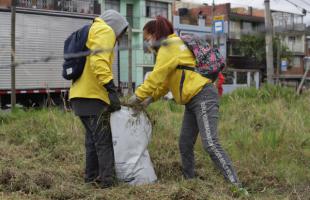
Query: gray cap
x: 115, y: 20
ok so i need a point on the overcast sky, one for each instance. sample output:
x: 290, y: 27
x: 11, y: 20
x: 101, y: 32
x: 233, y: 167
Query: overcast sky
x: 282, y: 5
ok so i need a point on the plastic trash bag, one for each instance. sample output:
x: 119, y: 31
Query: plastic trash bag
x: 131, y: 133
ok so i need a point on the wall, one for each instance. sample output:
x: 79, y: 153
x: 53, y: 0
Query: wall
x: 140, y: 59
x: 5, y: 3
x: 295, y: 43
x: 220, y: 9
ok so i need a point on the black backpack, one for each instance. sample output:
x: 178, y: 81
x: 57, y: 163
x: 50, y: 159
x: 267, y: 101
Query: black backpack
x: 73, y: 65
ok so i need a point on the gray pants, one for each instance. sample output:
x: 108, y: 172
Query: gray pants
x: 201, y: 115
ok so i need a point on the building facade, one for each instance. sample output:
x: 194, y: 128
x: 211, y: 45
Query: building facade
x: 76, y: 6
x: 137, y: 12
x: 228, y: 24
x: 291, y: 30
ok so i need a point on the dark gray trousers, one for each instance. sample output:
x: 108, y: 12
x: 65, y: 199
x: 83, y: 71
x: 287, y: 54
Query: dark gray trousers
x: 201, y: 115
x: 98, y: 140
x: 99, y: 150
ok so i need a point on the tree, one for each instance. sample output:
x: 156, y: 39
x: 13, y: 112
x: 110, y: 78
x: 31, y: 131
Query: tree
x: 254, y: 46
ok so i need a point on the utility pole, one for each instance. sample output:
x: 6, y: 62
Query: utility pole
x: 13, y: 23
x: 307, y: 59
x: 213, y: 28
x: 268, y: 38
x: 129, y: 60
x: 278, y: 60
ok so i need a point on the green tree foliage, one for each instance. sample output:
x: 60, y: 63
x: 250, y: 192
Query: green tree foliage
x: 254, y: 46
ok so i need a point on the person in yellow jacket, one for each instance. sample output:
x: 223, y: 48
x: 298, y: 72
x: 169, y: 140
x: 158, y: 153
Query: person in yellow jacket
x: 93, y: 96
x: 189, y: 88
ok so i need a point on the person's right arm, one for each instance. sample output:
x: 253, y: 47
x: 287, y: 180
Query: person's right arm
x: 156, y: 84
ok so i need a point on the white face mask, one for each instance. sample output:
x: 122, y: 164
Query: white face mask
x: 148, y: 46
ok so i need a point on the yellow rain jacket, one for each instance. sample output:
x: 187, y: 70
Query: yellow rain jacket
x: 165, y: 76
x: 98, y: 68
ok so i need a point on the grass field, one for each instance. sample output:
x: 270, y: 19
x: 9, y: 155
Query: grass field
x: 266, y: 132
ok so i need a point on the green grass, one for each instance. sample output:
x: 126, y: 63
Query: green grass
x: 266, y: 132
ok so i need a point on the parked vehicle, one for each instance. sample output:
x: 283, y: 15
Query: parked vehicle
x: 39, y: 34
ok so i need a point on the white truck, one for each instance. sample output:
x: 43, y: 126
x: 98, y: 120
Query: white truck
x: 39, y: 33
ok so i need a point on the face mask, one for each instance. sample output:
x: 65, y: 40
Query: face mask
x: 148, y: 46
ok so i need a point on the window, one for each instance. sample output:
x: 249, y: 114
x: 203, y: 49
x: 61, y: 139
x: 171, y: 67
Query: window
x: 235, y: 49
x: 154, y: 9
x: 247, y: 27
x: 112, y: 4
x: 123, y: 43
x: 229, y: 77
x: 296, y: 62
x: 129, y: 14
x: 189, y: 34
x: 235, y: 29
x: 292, y: 39
x: 41, y: 4
x: 242, y: 77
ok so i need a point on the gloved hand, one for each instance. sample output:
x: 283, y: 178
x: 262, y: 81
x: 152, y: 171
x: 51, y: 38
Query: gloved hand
x: 133, y: 100
x: 147, y: 102
x: 115, y: 103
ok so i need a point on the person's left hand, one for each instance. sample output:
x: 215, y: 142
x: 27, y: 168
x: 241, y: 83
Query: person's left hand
x: 133, y: 100
x: 115, y: 103
x: 147, y: 102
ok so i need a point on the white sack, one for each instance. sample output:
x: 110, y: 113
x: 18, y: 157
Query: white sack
x: 131, y: 133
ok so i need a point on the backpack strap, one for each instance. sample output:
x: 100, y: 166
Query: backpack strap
x: 212, y: 77
x: 182, y: 67
x: 182, y: 84
x: 187, y: 68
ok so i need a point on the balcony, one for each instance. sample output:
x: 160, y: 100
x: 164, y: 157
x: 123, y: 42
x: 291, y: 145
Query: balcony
x: 241, y: 62
x: 75, y: 6
x: 235, y: 35
x: 290, y: 28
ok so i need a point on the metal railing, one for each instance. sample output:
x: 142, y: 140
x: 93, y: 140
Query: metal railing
x: 77, y: 6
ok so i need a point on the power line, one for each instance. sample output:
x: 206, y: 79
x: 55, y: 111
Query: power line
x: 305, y: 2
x: 297, y: 6
x: 158, y: 43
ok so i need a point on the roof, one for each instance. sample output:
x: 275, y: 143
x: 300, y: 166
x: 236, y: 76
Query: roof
x: 235, y: 16
x: 280, y: 11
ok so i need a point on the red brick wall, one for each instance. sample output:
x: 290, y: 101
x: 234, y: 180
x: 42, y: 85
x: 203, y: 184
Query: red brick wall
x: 5, y: 3
x: 220, y: 9
x: 294, y: 71
x: 307, y: 47
x: 297, y: 70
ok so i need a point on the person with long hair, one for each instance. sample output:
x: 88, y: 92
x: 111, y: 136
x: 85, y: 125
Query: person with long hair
x: 189, y: 88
